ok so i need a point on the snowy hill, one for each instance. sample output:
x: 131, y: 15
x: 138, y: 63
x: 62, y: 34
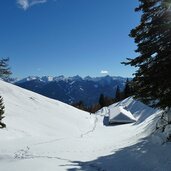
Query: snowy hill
x: 43, y: 134
x: 30, y: 113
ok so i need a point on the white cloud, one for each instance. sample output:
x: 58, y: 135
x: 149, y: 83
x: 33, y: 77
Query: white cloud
x: 25, y: 4
x: 104, y: 72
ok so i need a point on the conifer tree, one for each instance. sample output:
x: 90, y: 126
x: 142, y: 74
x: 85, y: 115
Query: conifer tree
x: 152, y: 80
x: 2, y: 125
x: 127, y: 90
x: 4, y: 73
x: 4, y: 69
x: 118, y: 94
x: 102, y: 100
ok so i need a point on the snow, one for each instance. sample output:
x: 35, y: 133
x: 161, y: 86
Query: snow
x: 43, y: 134
x: 120, y: 115
x: 63, y: 78
x: 30, y: 78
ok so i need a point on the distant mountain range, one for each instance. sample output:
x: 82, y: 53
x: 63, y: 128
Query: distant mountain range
x: 72, y: 89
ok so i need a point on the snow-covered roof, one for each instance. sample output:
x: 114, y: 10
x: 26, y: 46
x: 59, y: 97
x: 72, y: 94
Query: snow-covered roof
x: 120, y: 115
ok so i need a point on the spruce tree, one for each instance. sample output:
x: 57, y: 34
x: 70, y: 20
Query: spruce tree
x: 4, y: 69
x: 127, y: 90
x: 152, y: 80
x: 4, y: 73
x: 2, y: 125
x: 102, y: 101
x: 118, y: 94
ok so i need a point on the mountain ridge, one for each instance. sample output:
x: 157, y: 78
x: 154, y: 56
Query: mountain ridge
x: 73, y: 89
x: 64, y: 78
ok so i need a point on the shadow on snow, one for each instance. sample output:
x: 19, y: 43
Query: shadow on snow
x: 143, y: 156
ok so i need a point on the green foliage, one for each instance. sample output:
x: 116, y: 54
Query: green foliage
x: 152, y: 80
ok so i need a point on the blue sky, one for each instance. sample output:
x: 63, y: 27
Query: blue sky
x: 68, y: 37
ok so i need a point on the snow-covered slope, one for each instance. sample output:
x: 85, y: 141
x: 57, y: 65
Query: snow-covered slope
x: 46, y: 135
x: 35, y: 115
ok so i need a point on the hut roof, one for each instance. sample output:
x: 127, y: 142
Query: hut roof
x: 120, y: 115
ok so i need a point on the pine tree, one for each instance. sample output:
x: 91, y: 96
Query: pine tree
x: 118, y: 94
x: 2, y: 125
x: 152, y: 80
x: 102, y: 100
x: 127, y: 90
x: 4, y: 69
x: 4, y: 73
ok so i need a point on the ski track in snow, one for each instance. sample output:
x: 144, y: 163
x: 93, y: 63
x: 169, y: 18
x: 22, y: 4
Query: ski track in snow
x: 24, y: 153
x: 48, y: 142
x: 92, y: 130
x: 27, y: 154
